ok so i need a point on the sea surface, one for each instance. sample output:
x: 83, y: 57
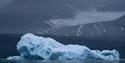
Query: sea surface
x: 3, y: 60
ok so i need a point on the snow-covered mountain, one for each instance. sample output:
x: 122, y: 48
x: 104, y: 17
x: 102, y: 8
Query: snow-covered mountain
x: 21, y: 16
x: 64, y: 18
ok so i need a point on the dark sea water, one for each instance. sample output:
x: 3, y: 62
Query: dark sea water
x: 59, y: 61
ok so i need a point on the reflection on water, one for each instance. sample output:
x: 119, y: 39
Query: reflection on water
x: 58, y: 61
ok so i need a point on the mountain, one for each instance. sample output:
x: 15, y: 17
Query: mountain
x: 21, y: 16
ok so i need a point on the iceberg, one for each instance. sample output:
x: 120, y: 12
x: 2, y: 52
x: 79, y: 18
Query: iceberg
x: 31, y: 46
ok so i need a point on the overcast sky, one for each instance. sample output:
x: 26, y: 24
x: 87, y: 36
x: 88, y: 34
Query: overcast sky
x: 4, y: 3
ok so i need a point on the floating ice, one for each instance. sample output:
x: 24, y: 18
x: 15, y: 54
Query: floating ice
x: 17, y: 59
x: 37, y: 47
x: 34, y: 46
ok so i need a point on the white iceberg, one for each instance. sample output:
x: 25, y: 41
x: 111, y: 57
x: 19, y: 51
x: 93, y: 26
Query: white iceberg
x: 37, y: 47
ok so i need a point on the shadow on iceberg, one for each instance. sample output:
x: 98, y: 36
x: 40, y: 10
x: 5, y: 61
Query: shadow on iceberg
x: 44, y: 48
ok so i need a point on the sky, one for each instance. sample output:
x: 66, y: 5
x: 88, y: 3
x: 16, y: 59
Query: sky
x: 3, y: 3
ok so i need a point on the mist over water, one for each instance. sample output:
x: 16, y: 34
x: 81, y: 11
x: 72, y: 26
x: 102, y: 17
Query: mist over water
x: 87, y: 17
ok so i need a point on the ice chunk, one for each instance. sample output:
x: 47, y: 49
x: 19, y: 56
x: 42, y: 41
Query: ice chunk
x: 77, y: 52
x: 34, y: 46
x: 16, y: 59
x: 37, y: 47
